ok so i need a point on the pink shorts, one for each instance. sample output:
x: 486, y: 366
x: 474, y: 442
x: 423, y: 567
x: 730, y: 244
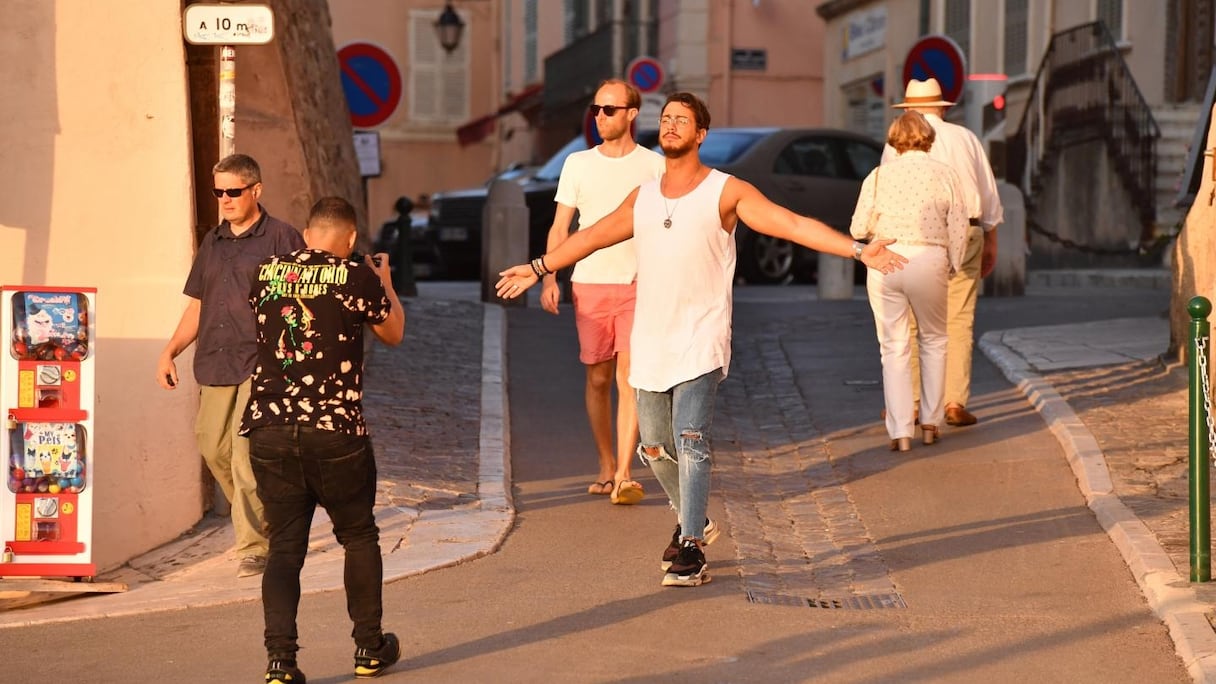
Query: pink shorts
x: 603, y: 315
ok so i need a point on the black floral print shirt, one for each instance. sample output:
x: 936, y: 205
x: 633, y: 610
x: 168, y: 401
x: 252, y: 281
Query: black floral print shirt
x: 310, y: 307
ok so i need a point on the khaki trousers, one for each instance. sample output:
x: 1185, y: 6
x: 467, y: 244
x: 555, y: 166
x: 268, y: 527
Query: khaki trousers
x: 227, y: 456
x: 960, y: 324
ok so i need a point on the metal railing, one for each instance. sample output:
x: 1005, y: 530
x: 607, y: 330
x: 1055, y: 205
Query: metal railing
x: 1084, y: 91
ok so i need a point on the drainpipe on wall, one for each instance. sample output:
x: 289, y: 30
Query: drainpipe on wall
x: 727, y: 74
x: 497, y: 79
x: 618, y: 39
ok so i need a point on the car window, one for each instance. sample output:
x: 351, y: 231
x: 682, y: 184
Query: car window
x: 808, y: 157
x: 723, y: 147
x: 862, y: 157
x: 552, y: 169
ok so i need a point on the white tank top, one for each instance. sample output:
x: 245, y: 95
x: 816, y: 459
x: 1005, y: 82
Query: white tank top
x: 681, y: 322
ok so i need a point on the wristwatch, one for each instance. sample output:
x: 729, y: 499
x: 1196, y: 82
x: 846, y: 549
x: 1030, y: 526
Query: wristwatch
x: 857, y: 249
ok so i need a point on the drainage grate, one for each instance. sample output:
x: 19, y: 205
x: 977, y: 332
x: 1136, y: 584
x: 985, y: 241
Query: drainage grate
x: 864, y: 602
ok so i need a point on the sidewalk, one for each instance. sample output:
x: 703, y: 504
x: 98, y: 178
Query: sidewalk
x: 1119, y: 412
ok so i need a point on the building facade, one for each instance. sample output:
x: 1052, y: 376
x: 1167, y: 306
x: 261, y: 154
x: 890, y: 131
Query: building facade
x: 516, y: 87
x: 1102, y: 90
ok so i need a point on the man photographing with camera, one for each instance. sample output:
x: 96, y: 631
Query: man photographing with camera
x: 307, y: 439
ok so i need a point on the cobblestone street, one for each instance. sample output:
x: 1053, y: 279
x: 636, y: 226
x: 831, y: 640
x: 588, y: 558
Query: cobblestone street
x: 422, y: 400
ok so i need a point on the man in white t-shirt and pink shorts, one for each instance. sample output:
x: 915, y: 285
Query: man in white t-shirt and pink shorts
x: 595, y: 182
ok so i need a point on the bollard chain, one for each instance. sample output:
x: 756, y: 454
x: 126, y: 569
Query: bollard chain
x: 1201, y: 346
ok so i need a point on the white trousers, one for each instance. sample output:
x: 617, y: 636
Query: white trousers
x: 919, y: 289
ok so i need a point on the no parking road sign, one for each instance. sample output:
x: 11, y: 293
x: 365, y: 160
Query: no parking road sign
x: 645, y: 73
x: 941, y: 58
x: 372, y: 83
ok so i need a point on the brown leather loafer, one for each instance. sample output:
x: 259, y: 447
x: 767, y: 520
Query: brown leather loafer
x: 959, y: 417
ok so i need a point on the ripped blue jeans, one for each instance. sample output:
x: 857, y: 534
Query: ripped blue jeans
x: 673, y: 428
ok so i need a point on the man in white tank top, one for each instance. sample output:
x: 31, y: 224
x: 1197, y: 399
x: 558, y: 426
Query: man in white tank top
x: 683, y: 229
x: 594, y: 182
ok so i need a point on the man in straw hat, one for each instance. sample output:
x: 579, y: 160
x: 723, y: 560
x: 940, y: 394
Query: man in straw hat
x: 959, y: 148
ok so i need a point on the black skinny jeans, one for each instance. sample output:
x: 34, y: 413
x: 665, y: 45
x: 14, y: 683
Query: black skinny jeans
x: 296, y: 469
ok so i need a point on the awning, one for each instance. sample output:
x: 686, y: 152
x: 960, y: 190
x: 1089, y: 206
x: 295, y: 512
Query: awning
x: 527, y: 102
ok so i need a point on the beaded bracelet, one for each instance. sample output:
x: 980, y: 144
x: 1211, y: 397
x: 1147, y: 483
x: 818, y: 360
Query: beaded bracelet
x: 539, y: 267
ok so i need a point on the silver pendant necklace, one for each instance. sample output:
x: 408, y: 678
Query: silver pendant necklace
x: 667, y: 221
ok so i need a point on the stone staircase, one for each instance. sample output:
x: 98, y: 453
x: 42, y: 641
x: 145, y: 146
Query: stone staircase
x: 1177, y: 123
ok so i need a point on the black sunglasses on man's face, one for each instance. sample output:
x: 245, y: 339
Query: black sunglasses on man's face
x: 609, y: 110
x: 231, y: 192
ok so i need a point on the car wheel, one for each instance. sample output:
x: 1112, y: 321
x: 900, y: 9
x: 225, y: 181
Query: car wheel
x: 766, y: 259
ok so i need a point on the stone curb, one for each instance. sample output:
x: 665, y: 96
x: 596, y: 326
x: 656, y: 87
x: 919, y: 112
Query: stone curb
x: 457, y: 535
x: 1167, y: 592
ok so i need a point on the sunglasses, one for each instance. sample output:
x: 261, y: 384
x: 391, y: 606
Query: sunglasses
x: 609, y: 110
x: 231, y: 192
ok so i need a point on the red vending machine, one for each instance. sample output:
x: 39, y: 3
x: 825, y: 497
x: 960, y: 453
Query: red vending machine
x: 46, y: 397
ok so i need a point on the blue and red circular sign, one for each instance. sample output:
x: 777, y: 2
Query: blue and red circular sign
x: 372, y: 83
x: 645, y: 73
x: 941, y: 58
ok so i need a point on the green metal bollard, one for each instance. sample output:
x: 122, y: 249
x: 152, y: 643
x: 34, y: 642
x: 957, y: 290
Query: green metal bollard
x: 1199, y: 452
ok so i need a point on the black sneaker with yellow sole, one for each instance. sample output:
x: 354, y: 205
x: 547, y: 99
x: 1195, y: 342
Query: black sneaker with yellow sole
x: 372, y: 662
x: 284, y: 672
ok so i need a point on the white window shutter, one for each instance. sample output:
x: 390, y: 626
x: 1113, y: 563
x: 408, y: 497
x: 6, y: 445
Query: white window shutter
x: 439, y: 81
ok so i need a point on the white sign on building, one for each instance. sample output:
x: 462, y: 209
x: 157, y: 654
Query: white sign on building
x: 224, y: 24
x: 865, y: 31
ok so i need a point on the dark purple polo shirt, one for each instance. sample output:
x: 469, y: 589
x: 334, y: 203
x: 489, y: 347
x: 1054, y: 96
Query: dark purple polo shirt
x: 222, y: 274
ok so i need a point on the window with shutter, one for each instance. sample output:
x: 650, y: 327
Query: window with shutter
x: 439, y: 80
x: 1016, y: 36
x: 577, y: 14
x: 1110, y: 12
x: 531, y: 63
x: 958, y: 25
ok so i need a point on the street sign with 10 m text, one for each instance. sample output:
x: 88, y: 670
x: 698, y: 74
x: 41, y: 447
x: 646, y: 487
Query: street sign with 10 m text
x: 214, y: 24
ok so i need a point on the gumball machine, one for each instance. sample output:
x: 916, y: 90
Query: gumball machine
x: 46, y: 399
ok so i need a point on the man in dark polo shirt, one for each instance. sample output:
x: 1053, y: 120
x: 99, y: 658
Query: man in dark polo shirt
x: 218, y: 317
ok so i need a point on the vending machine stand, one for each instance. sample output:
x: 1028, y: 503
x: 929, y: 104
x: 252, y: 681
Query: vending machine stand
x: 47, y: 381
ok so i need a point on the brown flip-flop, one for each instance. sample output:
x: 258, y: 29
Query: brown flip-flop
x: 600, y: 488
x: 627, y: 493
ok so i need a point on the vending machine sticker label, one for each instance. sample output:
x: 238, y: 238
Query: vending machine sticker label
x: 25, y: 522
x: 25, y: 389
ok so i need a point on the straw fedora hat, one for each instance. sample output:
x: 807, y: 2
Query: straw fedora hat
x: 923, y: 94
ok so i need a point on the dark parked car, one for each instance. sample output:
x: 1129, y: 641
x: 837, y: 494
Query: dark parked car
x: 814, y: 172
x: 455, y: 220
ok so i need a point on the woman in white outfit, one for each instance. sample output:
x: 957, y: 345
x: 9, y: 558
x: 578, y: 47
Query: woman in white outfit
x: 919, y: 202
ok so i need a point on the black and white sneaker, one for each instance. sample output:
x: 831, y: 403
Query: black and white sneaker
x: 673, y: 549
x: 689, y: 568
x: 373, y: 662
x: 284, y: 671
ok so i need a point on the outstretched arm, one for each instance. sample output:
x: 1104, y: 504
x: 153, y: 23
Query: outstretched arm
x: 762, y: 215
x: 613, y: 228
